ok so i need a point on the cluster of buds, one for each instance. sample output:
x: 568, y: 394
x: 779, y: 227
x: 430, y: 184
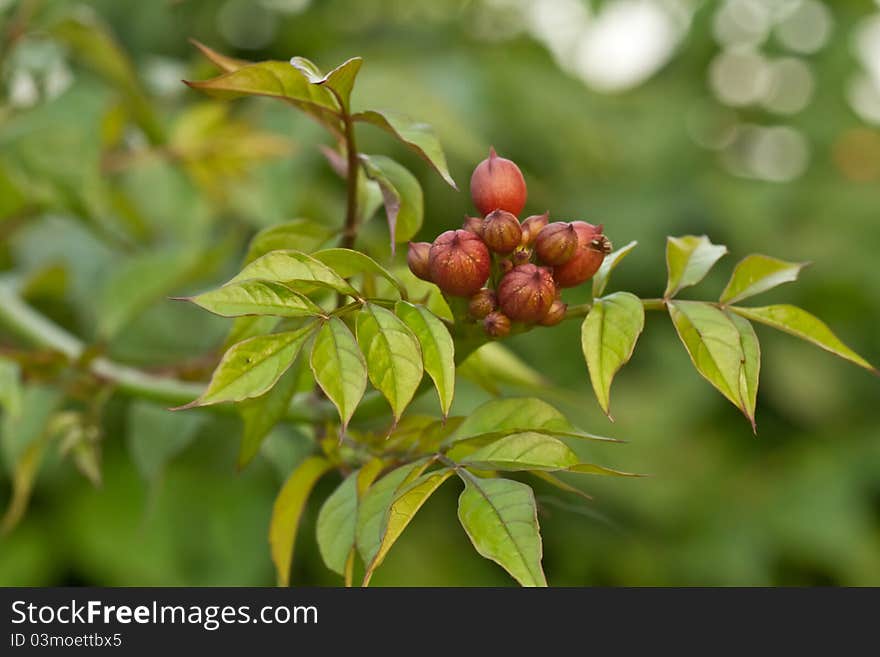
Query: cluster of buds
x: 530, y: 262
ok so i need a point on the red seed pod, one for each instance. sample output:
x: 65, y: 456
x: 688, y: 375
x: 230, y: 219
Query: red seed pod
x: 591, y: 251
x: 501, y: 231
x: 556, y: 243
x: 555, y: 315
x: 417, y: 259
x: 482, y: 303
x: 498, y: 184
x: 532, y: 226
x: 473, y: 225
x: 496, y: 325
x: 459, y: 262
x: 526, y: 293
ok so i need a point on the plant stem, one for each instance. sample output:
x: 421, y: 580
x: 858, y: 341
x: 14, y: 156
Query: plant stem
x: 349, y: 232
x: 654, y: 304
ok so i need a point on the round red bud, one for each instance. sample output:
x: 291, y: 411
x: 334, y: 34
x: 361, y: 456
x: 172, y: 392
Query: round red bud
x: 501, y: 231
x: 555, y: 315
x: 531, y: 226
x: 473, y: 225
x: 526, y: 293
x: 591, y: 250
x: 417, y: 259
x: 459, y: 262
x: 556, y: 243
x: 482, y: 303
x: 498, y: 184
x: 496, y: 325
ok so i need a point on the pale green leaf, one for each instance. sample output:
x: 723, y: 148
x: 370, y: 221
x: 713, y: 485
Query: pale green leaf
x: 406, y: 503
x: 805, y: 326
x: 600, y: 279
x: 438, y: 348
x: 298, y: 235
x: 500, y: 518
x: 688, y: 260
x: 340, y: 81
x: 608, y: 338
x: 373, y: 508
x: 256, y: 297
x: 10, y: 387
x: 297, y: 270
x: 261, y: 414
x: 348, y: 263
x: 339, y: 367
x: 24, y: 474
x: 253, y: 366
x: 750, y: 371
x: 714, y: 345
x: 224, y: 63
x: 394, y: 359
x: 523, y: 451
x: 401, y: 193
x: 592, y: 468
x: 287, y: 510
x: 418, y: 136
x: 758, y: 273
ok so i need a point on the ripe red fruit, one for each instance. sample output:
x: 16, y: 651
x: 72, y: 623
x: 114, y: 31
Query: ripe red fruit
x: 501, y: 231
x: 555, y: 315
x: 496, y: 325
x: 531, y: 226
x: 417, y: 259
x: 498, y: 184
x: 473, y: 225
x: 526, y: 293
x: 459, y: 262
x: 591, y: 250
x: 482, y: 303
x: 556, y: 243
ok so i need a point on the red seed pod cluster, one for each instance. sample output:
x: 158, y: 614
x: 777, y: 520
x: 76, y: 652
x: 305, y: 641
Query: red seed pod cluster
x: 510, y: 271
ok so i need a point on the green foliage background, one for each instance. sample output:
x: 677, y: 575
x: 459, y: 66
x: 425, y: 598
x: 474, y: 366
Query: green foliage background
x: 798, y: 504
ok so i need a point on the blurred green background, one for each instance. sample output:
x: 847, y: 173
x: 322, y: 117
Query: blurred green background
x: 755, y: 122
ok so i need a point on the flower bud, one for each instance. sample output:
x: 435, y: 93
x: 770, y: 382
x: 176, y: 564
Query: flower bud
x: 532, y: 226
x: 556, y: 243
x: 417, y: 259
x: 459, y: 262
x: 473, y: 225
x: 482, y: 303
x: 498, y: 184
x: 521, y: 256
x: 501, y: 231
x: 591, y: 250
x: 506, y: 265
x: 496, y: 325
x: 526, y: 293
x: 555, y: 315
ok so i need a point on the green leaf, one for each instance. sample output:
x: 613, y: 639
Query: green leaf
x: 751, y: 366
x: 10, y: 387
x: 275, y: 80
x: 348, y: 263
x: 600, y: 279
x: 261, y: 414
x: 418, y: 136
x: 438, y: 349
x: 402, y: 195
x: 758, y: 273
x: 406, y: 503
x: 556, y: 482
x: 156, y: 435
x: 373, y: 509
x: 339, y: 367
x: 340, y: 81
x: 298, y: 235
x: 494, y: 364
x: 714, y: 345
x: 297, y: 270
x: 256, y: 297
x: 523, y: 451
x: 688, y: 260
x: 249, y: 326
x: 253, y: 366
x: 592, y: 468
x: 500, y: 518
x: 394, y: 359
x: 805, y: 326
x: 608, y: 338
x: 337, y: 519
x: 224, y: 63
x: 287, y: 511
x: 515, y: 415
x: 24, y: 475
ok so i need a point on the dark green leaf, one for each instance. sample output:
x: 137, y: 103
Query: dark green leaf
x: 401, y: 193
x: 261, y: 414
x: 156, y: 435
